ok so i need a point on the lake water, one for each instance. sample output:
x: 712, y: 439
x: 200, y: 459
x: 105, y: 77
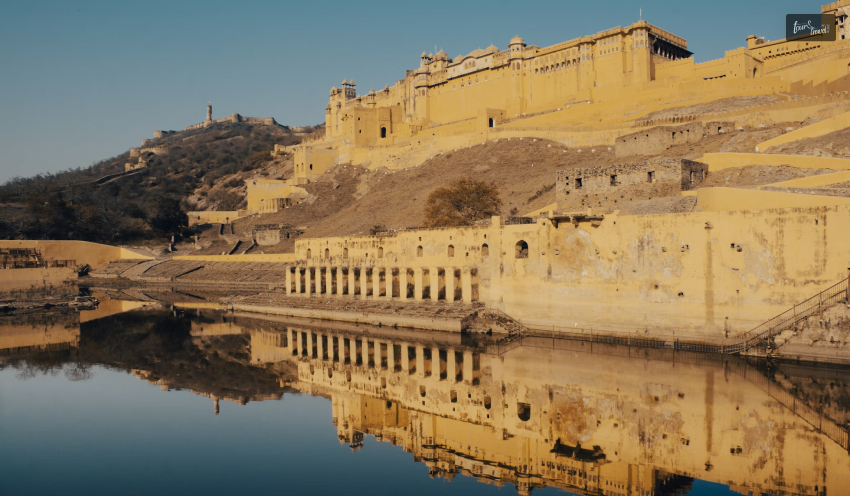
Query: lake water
x: 149, y: 401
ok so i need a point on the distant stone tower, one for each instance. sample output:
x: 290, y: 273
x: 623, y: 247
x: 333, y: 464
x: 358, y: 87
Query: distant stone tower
x: 209, y: 111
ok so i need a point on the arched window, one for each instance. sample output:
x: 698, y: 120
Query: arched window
x: 485, y: 250
x: 309, y: 253
x: 491, y: 123
x: 311, y: 166
x: 523, y: 411
x: 327, y: 253
x: 451, y: 250
x: 383, y: 132
x: 419, y: 251
x: 345, y: 253
x: 755, y: 71
x: 521, y: 249
x: 380, y: 252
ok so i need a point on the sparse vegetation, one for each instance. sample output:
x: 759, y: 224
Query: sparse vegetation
x: 67, y: 205
x: 462, y: 204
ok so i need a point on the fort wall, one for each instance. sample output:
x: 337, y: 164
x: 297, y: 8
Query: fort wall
x: 702, y: 275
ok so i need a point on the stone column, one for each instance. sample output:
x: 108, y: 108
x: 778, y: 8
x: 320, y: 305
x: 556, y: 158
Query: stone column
x: 298, y: 281
x: 329, y: 278
x: 417, y: 284
x: 402, y: 283
x: 450, y: 284
x: 352, y: 350
x: 376, y: 283
x: 320, y: 352
x: 435, y: 283
x: 300, y: 341
x: 467, y: 367
x: 288, y: 280
x: 364, y: 283
x: 310, y: 338
x: 365, y: 352
x: 405, y: 358
x: 390, y: 356
x: 420, y: 361
x: 307, y: 290
x: 466, y: 285
x: 339, y: 282
x: 451, y: 370
x: 435, y: 364
x: 290, y: 340
x: 352, y: 284
x: 389, y: 282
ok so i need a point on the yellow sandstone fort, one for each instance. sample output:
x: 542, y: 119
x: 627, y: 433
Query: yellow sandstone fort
x: 590, y: 91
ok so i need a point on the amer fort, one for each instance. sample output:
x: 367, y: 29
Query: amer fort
x: 671, y: 305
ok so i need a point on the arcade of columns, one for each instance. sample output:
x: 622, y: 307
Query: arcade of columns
x: 413, y: 358
x: 386, y: 283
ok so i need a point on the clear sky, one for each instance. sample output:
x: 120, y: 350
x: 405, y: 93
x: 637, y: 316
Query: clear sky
x: 81, y: 81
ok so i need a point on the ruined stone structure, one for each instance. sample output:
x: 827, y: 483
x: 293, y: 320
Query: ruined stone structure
x: 577, y: 189
x: 272, y: 234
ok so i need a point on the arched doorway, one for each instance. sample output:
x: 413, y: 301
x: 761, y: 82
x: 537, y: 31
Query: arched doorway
x: 521, y: 249
x: 491, y: 123
x: 755, y: 72
x: 383, y: 132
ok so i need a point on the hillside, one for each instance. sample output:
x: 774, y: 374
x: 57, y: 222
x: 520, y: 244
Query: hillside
x: 351, y: 200
x: 90, y: 204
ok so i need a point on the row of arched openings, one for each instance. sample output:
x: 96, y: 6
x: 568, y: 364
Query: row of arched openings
x: 520, y: 251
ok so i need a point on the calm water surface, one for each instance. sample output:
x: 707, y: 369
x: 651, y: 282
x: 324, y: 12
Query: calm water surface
x: 152, y: 402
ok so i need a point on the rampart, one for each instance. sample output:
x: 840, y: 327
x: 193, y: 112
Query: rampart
x: 700, y: 275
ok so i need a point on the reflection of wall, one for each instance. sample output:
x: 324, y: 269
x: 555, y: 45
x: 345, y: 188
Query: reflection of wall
x: 611, y: 420
x: 56, y: 332
x: 107, y: 307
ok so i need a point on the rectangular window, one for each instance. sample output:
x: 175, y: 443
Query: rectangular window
x: 614, y: 180
x: 578, y: 182
x: 650, y: 176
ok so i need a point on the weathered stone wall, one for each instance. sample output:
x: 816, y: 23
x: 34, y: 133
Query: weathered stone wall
x: 656, y: 140
x: 267, y: 238
x: 577, y: 189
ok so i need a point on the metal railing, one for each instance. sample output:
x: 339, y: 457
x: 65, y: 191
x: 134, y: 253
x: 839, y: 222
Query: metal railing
x: 787, y: 319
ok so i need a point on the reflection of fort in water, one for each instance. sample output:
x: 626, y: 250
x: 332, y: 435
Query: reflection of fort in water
x: 610, y: 420
x: 589, y: 418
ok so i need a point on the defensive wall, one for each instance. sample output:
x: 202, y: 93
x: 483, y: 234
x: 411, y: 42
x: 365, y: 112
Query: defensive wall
x: 584, y: 92
x: 54, y: 263
x: 702, y: 275
x: 82, y: 252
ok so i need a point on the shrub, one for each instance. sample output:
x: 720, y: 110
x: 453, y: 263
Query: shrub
x: 462, y: 204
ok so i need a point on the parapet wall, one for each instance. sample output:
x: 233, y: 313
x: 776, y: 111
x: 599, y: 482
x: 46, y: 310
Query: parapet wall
x: 658, y: 139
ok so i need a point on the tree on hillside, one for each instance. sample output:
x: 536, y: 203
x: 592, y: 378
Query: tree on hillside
x: 169, y: 216
x: 462, y: 204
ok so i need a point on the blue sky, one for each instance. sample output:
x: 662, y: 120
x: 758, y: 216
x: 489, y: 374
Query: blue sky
x: 81, y: 81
